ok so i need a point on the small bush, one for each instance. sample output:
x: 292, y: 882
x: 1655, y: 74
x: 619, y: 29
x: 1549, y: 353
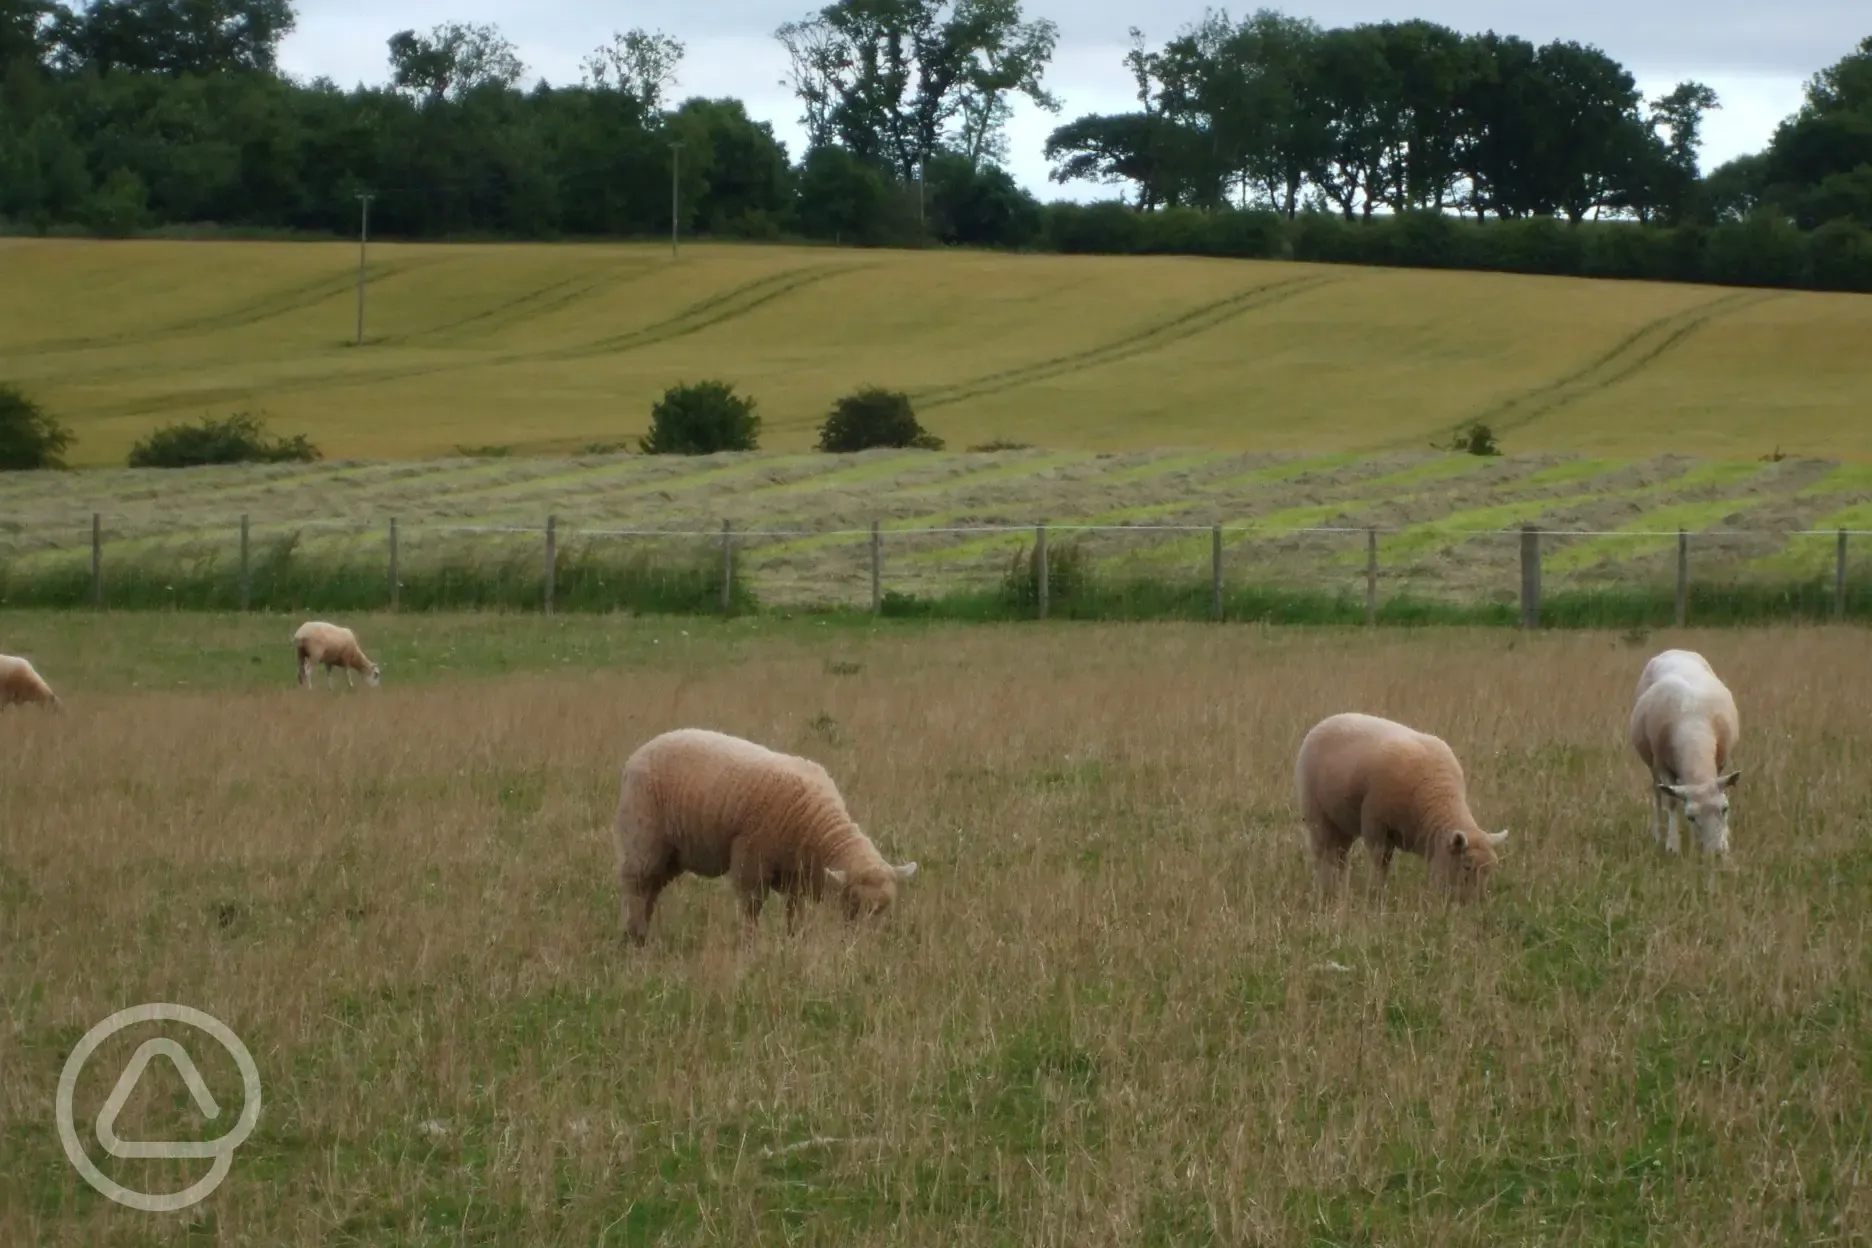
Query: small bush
x: 237, y: 439
x: 29, y: 438
x: 874, y: 417
x: 1476, y: 438
x: 701, y: 419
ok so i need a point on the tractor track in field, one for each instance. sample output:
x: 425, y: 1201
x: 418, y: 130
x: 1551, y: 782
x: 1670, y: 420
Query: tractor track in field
x: 1154, y: 337
x: 277, y: 303
x: 715, y: 310
x: 542, y: 301
x: 1626, y: 358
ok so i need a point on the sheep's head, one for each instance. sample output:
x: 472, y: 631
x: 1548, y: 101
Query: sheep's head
x: 1465, y: 863
x: 869, y: 891
x: 375, y: 675
x: 1706, y: 806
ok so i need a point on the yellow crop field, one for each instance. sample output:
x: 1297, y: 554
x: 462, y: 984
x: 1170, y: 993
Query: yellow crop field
x: 554, y: 348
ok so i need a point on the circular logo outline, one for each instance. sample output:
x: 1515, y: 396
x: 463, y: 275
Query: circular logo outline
x: 222, y: 1149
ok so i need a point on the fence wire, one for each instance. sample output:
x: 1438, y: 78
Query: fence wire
x: 1231, y: 570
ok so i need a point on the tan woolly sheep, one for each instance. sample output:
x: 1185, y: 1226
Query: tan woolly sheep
x: 317, y: 642
x: 20, y: 684
x: 1684, y: 726
x: 1359, y: 777
x: 710, y: 804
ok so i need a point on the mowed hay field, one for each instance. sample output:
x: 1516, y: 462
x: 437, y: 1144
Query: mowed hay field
x: 1107, y: 1012
x: 803, y: 520
x: 554, y: 348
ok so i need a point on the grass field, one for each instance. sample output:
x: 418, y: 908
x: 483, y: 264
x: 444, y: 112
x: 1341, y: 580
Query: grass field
x: 556, y: 348
x: 1107, y: 1012
x: 1440, y: 514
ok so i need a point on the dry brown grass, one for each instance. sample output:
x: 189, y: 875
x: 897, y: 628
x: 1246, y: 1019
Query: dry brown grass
x: 1107, y: 1011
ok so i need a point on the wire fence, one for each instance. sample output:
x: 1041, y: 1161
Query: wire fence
x: 1528, y: 575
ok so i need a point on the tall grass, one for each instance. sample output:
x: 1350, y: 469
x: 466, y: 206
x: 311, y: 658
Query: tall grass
x: 596, y: 577
x: 286, y: 576
x: 1107, y: 1012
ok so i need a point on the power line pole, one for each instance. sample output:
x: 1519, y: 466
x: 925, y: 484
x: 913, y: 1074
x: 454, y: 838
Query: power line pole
x: 363, y: 239
x: 675, y: 204
x: 922, y: 165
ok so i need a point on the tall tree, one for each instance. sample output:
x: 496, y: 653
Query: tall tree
x: 452, y: 60
x: 173, y: 36
x: 895, y: 81
x: 639, y: 63
x: 25, y: 33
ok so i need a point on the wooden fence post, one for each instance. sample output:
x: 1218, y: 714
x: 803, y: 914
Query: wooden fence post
x: 246, y: 571
x: 1683, y: 577
x: 1839, y: 580
x: 1040, y: 566
x: 1371, y: 576
x: 1530, y: 576
x: 1215, y: 572
x: 552, y: 559
x: 396, y: 587
x: 877, y: 570
x: 97, y: 561
x: 727, y: 569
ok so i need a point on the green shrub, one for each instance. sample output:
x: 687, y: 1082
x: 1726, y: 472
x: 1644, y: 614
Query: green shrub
x: 1068, y: 576
x: 29, y: 438
x: 237, y: 439
x: 874, y: 417
x: 701, y: 419
x: 1476, y: 438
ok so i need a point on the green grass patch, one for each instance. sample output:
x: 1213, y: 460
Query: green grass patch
x: 285, y: 575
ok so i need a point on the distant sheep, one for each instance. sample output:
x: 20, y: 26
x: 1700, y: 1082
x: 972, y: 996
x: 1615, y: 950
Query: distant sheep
x: 710, y: 804
x: 1359, y: 777
x: 20, y: 684
x: 317, y: 642
x: 1684, y: 726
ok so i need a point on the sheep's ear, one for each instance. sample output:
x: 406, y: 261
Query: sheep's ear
x: 905, y: 870
x: 1496, y: 838
x: 1728, y: 781
x: 1671, y: 789
x: 838, y: 876
x: 1459, y: 842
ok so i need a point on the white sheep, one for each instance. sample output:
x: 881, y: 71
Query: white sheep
x: 317, y: 642
x: 1684, y: 726
x: 1360, y: 777
x: 21, y: 684
x: 710, y: 804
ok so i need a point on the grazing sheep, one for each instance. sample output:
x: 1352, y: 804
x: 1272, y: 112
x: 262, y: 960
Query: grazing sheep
x: 1360, y: 777
x: 1684, y: 726
x: 318, y: 642
x: 711, y: 804
x: 20, y: 683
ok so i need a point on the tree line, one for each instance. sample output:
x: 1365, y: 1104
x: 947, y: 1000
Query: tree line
x: 1395, y: 142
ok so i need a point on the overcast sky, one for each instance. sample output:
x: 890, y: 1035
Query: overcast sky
x: 1756, y: 56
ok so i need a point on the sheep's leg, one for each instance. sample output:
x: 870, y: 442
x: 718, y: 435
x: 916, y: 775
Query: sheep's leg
x: 1658, y: 800
x: 1671, y: 842
x: 1381, y: 865
x: 640, y: 890
x: 794, y: 899
x: 750, y: 883
x: 1329, y: 857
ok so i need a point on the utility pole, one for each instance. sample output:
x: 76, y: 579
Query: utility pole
x: 363, y: 239
x: 675, y: 202
x: 922, y: 166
